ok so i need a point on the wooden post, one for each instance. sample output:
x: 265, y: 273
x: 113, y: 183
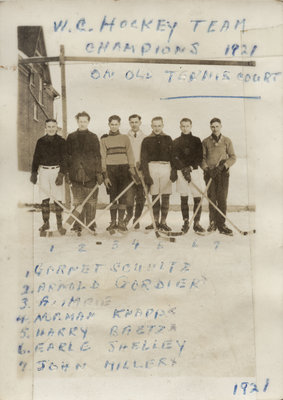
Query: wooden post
x: 63, y: 90
x: 64, y: 114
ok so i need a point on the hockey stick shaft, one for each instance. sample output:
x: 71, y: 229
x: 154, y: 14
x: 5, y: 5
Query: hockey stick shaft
x: 66, y: 210
x: 144, y: 213
x: 221, y: 213
x: 195, y: 213
x: 78, y: 210
x: 201, y: 200
x: 150, y: 205
x: 202, y: 196
x: 111, y: 204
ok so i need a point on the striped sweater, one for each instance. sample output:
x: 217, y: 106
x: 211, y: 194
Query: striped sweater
x: 116, y: 149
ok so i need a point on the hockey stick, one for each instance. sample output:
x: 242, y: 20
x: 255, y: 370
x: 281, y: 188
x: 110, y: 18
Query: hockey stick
x: 149, y: 204
x: 111, y: 204
x: 181, y: 233
x: 66, y: 210
x: 143, y: 214
x: 201, y: 200
x: 78, y: 210
x: 221, y: 213
x: 125, y: 233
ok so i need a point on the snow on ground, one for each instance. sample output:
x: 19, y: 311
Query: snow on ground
x: 207, y: 278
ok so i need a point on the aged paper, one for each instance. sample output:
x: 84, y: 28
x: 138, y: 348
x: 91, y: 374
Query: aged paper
x: 134, y: 316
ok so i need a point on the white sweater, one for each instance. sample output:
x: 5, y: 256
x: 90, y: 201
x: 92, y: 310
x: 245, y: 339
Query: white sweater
x: 136, y: 143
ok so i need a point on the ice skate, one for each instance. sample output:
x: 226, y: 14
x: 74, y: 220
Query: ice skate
x: 225, y: 230
x: 199, y: 229
x: 186, y: 226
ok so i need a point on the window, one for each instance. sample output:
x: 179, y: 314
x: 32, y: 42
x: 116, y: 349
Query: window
x: 35, y: 112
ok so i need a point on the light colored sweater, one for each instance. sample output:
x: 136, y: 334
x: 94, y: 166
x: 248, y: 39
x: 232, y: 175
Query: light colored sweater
x: 136, y: 143
x: 213, y: 152
x: 116, y: 150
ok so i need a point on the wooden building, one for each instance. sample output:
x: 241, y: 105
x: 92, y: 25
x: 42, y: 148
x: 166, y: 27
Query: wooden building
x: 35, y: 94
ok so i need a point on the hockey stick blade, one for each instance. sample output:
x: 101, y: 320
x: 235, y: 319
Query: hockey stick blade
x: 172, y: 233
x: 248, y: 232
x: 221, y: 213
x: 76, y: 212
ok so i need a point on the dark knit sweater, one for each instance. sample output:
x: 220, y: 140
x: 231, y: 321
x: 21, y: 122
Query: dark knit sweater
x: 84, y: 159
x: 187, y: 151
x: 50, y: 150
x: 156, y: 148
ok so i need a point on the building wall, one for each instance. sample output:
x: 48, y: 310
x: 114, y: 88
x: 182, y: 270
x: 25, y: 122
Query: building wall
x: 30, y: 129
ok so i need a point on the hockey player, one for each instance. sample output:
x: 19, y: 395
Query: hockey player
x: 156, y: 156
x: 49, y: 168
x: 187, y: 157
x: 118, y: 167
x: 136, y: 192
x: 84, y: 167
x: 217, y: 147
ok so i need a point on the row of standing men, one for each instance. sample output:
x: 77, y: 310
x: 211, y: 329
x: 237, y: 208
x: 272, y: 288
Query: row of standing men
x: 117, y: 159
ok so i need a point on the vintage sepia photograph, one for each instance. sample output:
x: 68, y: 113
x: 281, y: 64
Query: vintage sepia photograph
x: 139, y: 205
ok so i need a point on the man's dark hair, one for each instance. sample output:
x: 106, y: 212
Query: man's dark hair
x: 82, y: 114
x: 50, y: 120
x: 114, y: 117
x: 134, y: 116
x: 215, y: 120
x: 186, y: 120
x: 157, y: 119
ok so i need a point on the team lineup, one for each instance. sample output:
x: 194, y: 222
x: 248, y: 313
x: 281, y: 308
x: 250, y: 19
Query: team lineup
x: 132, y: 167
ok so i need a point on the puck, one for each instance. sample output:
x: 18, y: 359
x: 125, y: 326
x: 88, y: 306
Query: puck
x: 98, y: 242
x: 172, y: 239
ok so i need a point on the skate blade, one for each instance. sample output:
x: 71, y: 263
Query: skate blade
x: 202, y: 233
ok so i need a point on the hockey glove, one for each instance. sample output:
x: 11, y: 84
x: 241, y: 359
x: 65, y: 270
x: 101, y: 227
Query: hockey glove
x: 187, y: 173
x: 148, y: 180
x: 134, y: 175
x: 206, y: 174
x: 107, y: 181
x: 67, y: 179
x: 216, y: 171
x: 59, y: 179
x: 173, y: 175
x: 99, y: 178
x: 33, y: 177
x: 221, y: 167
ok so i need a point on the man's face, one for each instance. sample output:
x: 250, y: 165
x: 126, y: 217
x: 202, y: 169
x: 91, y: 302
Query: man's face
x: 216, y: 128
x: 186, y: 127
x: 157, y: 126
x: 51, y: 128
x: 83, y: 123
x: 135, y: 124
x: 114, y: 125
